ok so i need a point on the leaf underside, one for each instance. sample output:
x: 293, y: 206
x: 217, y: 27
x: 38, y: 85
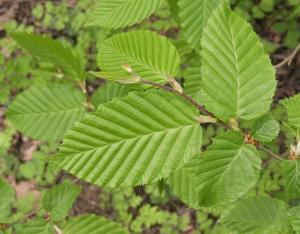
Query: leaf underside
x: 51, y: 51
x: 46, y: 112
x: 137, y: 139
x: 151, y: 56
x: 121, y: 13
x: 238, y: 77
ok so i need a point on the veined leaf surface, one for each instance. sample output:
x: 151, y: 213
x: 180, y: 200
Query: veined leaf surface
x: 229, y: 169
x: 87, y: 224
x: 36, y: 226
x: 151, y: 56
x: 46, y: 112
x: 292, y: 178
x: 121, y: 13
x: 6, y: 199
x: 194, y: 15
x: 137, y: 139
x: 259, y: 215
x: 292, y: 106
x: 184, y: 181
x: 238, y: 77
x: 59, y: 199
x: 109, y: 91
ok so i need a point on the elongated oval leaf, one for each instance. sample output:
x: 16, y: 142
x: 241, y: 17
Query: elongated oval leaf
x: 134, y: 140
x: 292, y: 178
x: 46, y: 112
x: 230, y: 168
x: 87, y: 224
x: 184, y: 182
x: 238, y: 78
x: 257, y: 215
x: 121, y: 13
x: 59, y: 200
x: 194, y: 15
x: 109, y: 91
x: 51, y: 51
x: 150, y: 55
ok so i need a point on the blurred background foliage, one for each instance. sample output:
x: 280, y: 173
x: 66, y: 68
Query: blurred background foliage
x: 149, y: 209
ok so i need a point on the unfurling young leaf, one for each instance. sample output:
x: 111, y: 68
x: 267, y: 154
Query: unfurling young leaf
x: 87, y: 224
x: 137, y: 139
x: 258, y: 215
x: 148, y: 55
x: 229, y: 169
x: 238, y: 78
x: 47, y: 112
x: 51, y: 51
x: 121, y: 13
x: 59, y: 200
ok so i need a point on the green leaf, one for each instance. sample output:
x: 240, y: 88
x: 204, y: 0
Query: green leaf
x: 46, y: 112
x: 257, y: 215
x: 192, y: 81
x: 238, y: 77
x: 230, y: 168
x: 295, y: 219
x: 149, y: 55
x: 108, y: 92
x: 121, y: 13
x: 137, y: 139
x: 51, y: 51
x: 265, y: 128
x: 292, y: 106
x: 184, y: 182
x: 59, y: 199
x: 37, y: 226
x: 292, y: 178
x: 87, y: 224
x: 7, y: 196
x: 194, y: 15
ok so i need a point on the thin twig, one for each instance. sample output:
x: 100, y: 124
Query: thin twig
x: 185, y: 96
x: 269, y: 152
x: 288, y: 60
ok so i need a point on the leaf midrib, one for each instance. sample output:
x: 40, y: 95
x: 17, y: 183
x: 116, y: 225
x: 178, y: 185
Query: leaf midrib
x: 128, y: 139
x: 236, y: 67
